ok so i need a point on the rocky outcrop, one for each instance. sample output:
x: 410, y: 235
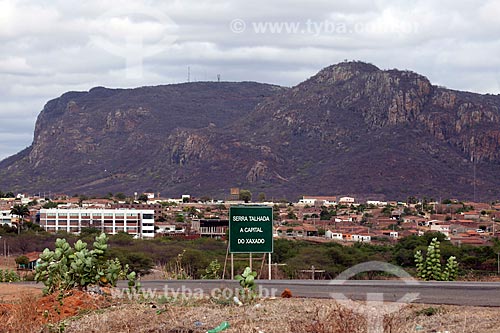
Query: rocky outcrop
x: 351, y: 128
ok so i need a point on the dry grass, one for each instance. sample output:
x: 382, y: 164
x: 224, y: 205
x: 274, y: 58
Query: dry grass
x: 20, y: 317
x: 280, y: 315
x: 294, y: 315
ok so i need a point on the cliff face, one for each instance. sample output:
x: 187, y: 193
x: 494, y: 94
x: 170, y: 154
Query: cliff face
x: 351, y: 129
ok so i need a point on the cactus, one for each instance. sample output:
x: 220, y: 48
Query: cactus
x: 431, y: 269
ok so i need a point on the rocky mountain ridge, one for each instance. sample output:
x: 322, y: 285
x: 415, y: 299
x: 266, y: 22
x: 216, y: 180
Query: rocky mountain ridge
x: 350, y: 129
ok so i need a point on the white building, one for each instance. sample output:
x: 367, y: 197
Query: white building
x: 136, y: 222
x: 321, y: 200
x: 170, y: 229
x: 442, y: 228
x: 376, y: 203
x: 362, y: 238
x: 6, y: 217
x: 346, y: 200
x: 333, y: 235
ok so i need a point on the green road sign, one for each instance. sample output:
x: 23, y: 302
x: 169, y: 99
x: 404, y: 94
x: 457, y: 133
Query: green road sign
x: 251, y: 229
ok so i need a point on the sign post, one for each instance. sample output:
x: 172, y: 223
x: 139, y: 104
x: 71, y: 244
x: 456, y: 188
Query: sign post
x: 251, y: 230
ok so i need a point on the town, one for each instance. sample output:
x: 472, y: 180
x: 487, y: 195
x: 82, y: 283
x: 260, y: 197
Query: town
x: 318, y: 219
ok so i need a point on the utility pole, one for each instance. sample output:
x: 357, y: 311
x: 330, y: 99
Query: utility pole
x: 4, y: 252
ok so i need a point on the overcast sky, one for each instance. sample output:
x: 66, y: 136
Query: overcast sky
x: 53, y: 46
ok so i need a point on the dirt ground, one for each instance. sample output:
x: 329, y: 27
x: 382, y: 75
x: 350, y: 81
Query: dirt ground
x: 23, y: 309
x: 10, y: 293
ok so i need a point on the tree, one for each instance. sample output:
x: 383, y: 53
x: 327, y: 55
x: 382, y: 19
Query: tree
x: 89, y: 233
x: 50, y: 204
x: 120, y: 196
x: 262, y: 197
x: 33, y: 203
x: 33, y: 226
x: 139, y: 262
x: 143, y: 198
x: 81, y: 199
x: 411, y: 200
x: 10, y: 195
x: 21, y: 211
x: 291, y: 215
x: 22, y: 261
x: 245, y: 195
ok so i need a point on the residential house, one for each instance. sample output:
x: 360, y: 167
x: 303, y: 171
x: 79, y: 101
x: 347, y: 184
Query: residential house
x: 442, y: 228
x: 305, y: 230
x: 471, y: 215
x: 333, y: 235
x: 346, y: 200
x: 6, y: 217
x: 213, y: 228
x: 33, y: 258
x: 364, y: 238
x: 376, y: 203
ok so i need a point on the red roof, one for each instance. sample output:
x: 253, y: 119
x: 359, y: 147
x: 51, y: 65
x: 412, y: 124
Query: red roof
x: 32, y: 256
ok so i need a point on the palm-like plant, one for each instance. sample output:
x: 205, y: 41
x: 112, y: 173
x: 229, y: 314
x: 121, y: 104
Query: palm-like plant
x: 21, y: 211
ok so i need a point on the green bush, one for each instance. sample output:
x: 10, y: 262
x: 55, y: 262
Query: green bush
x: 22, y: 261
x: 212, y: 272
x: 139, y: 262
x: 247, y: 283
x: 78, y: 267
x: 9, y: 276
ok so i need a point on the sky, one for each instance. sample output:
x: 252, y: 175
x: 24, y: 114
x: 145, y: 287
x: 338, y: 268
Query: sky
x: 49, y: 47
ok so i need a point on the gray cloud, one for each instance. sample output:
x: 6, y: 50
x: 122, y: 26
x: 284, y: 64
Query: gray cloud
x: 52, y: 46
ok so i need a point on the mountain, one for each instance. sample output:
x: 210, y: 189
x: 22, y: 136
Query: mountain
x: 350, y: 129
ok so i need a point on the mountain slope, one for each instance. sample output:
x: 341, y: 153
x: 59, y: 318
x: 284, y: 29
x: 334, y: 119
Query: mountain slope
x: 107, y: 139
x: 356, y: 129
x: 350, y: 129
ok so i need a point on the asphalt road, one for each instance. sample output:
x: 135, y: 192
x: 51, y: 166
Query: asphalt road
x: 454, y: 293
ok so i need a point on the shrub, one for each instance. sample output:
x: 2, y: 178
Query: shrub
x: 212, y: 271
x: 247, y: 283
x: 9, y: 276
x: 22, y: 260
x: 176, y: 270
x: 78, y: 267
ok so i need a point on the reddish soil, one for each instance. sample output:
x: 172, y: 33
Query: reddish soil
x: 24, y: 309
x: 51, y: 309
